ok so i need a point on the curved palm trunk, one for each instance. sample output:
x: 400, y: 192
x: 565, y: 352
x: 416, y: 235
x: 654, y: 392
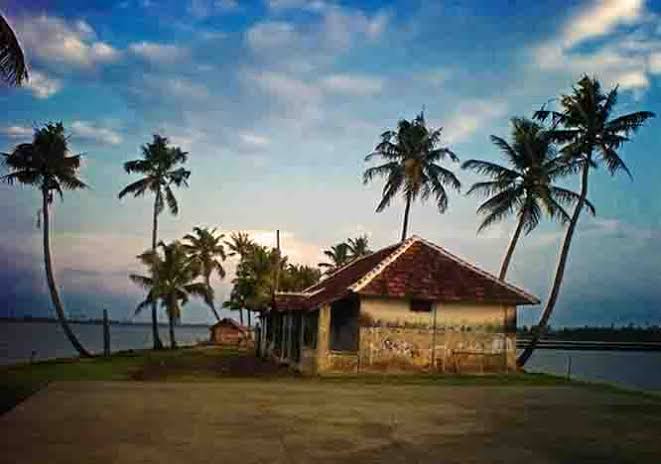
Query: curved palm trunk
x: 158, y: 344
x: 560, y: 270
x: 207, y: 280
x: 510, y: 250
x: 51, y: 283
x: 173, y: 342
x: 406, y: 217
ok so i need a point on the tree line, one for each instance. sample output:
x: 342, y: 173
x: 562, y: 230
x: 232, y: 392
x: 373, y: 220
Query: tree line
x: 569, y: 140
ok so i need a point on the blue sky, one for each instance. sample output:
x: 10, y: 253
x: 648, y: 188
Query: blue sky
x: 278, y: 101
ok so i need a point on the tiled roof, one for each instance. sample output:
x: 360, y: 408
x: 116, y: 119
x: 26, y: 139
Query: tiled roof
x: 230, y: 322
x: 414, y: 268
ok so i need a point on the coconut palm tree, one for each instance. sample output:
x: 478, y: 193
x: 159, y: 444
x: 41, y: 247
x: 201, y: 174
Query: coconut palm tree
x: 524, y: 188
x: 13, y: 68
x: 338, y: 255
x: 411, y: 155
x: 591, y: 136
x: 239, y: 245
x: 47, y: 165
x: 159, y: 166
x: 298, y: 277
x: 358, y: 247
x: 206, y: 247
x: 171, y: 281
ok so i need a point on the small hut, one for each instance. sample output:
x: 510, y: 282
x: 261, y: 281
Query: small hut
x: 229, y: 332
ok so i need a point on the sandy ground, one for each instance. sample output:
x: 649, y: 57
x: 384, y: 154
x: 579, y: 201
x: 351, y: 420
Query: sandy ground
x: 300, y: 420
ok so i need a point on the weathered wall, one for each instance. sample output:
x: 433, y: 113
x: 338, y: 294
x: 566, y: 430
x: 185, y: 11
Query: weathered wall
x: 468, y: 337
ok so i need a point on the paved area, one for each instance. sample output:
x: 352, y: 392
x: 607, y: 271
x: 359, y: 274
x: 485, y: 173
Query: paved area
x: 300, y: 420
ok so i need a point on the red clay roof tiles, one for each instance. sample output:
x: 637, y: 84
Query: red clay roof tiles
x: 414, y: 268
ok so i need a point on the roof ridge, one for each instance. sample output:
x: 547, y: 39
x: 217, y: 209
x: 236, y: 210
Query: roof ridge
x: 376, y: 270
x: 480, y: 271
x: 346, y: 266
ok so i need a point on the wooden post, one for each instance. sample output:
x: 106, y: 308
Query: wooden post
x: 106, y: 334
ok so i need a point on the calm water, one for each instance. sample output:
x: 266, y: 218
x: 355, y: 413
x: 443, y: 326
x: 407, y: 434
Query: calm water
x: 640, y: 370
x: 19, y: 339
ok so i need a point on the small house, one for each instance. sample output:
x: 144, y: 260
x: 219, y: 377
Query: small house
x: 229, y: 332
x: 410, y: 306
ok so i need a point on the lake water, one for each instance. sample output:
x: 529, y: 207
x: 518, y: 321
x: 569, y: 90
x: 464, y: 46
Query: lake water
x: 19, y: 339
x: 639, y: 370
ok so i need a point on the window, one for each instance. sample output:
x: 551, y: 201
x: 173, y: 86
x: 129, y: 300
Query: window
x: 421, y: 306
x: 344, y: 325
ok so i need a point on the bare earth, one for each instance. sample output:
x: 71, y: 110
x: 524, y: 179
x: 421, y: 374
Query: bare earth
x: 302, y: 420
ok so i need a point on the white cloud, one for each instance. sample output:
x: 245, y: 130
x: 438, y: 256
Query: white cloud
x: 470, y: 116
x: 54, y: 40
x: 434, y: 77
x: 655, y: 63
x: 89, y: 131
x: 159, y: 53
x: 285, y: 87
x: 601, y: 18
x: 17, y: 132
x: 253, y: 141
x: 268, y: 35
x: 42, y: 86
x: 620, y: 57
x: 352, y: 84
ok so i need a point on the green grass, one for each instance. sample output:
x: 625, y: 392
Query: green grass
x: 215, y: 364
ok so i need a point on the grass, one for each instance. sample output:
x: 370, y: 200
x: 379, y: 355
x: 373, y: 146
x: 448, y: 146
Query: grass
x: 208, y: 364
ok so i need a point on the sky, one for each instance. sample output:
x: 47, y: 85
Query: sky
x: 279, y: 101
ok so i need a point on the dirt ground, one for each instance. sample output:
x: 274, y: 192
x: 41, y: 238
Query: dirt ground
x: 280, y: 420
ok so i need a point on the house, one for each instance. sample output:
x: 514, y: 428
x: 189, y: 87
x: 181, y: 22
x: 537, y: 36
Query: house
x: 229, y: 332
x: 410, y: 306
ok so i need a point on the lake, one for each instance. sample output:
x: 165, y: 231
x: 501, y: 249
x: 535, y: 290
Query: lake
x: 639, y: 370
x: 19, y: 339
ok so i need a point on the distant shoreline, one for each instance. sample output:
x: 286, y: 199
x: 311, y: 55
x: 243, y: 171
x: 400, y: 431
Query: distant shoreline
x: 97, y: 322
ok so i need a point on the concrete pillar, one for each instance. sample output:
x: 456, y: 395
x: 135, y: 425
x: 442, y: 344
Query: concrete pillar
x: 323, y: 337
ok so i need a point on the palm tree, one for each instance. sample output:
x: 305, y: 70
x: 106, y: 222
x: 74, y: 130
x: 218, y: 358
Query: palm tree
x: 239, y: 245
x: 590, y: 137
x: 13, y: 68
x: 358, y: 247
x: 159, y: 165
x: 526, y: 187
x: 338, y: 255
x: 171, y: 281
x: 46, y: 164
x: 411, y: 154
x: 298, y: 277
x: 207, y: 249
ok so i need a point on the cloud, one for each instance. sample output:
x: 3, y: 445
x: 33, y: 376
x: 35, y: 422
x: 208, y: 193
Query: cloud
x: 17, y: 132
x: 352, y: 84
x: 89, y: 131
x: 204, y: 8
x: 56, y: 41
x: 622, y: 48
x: 159, y: 53
x: 292, y: 91
x: 601, y: 18
x: 253, y: 141
x: 42, y: 86
x: 470, y: 116
x: 302, y: 47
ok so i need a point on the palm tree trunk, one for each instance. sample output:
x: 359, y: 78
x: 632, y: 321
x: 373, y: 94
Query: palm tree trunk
x: 248, y: 311
x: 241, y: 315
x: 560, y: 270
x: 213, y: 308
x: 158, y: 344
x: 510, y: 250
x: 55, y: 296
x: 406, y: 217
x: 173, y: 342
